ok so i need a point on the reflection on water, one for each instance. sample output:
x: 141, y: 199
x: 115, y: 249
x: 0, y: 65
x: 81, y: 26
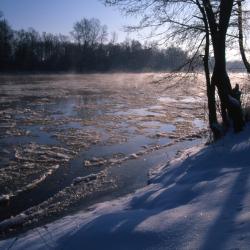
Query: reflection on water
x: 115, y: 126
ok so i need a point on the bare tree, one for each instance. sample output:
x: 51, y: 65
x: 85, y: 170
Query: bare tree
x: 194, y: 22
x: 89, y: 32
x: 114, y: 38
x: 103, y: 36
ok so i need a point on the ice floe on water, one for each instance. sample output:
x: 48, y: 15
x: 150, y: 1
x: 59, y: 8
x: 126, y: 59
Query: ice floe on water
x: 79, y: 188
x: 77, y: 139
x: 190, y: 99
x: 167, y: 99
x: 31, y: 165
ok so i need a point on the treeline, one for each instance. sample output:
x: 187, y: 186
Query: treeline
x: 88, y: 48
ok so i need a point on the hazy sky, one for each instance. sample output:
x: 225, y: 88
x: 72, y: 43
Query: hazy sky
x: 58, y: 16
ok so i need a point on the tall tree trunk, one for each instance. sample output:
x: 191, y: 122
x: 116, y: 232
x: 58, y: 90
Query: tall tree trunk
x: 229, y: 105
x: 210, y: 94
x: 242, y: 50
x: 220, y: 77
x: 212, y: 115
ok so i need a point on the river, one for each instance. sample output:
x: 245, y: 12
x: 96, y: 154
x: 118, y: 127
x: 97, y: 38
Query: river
x: 68, y: 141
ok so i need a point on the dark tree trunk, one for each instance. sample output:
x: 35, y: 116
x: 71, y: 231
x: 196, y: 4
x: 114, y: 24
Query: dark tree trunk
x: 220, y: 77
x: 212, y: 115
x: 210, y: 95
x: 229, y: 107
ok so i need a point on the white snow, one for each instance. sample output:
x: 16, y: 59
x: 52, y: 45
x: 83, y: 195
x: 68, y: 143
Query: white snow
x: 200, y: 200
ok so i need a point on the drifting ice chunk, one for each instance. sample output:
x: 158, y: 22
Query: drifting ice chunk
x: 87, y: 178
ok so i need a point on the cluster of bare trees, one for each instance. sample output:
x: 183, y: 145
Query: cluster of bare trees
x: 90, y: 31
x: 202, y: 25
x: 88, y: 49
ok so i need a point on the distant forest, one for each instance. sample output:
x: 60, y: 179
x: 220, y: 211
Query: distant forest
x: 88, y: 48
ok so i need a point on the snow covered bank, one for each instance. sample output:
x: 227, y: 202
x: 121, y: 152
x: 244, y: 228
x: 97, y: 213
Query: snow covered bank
x: 200, y: 200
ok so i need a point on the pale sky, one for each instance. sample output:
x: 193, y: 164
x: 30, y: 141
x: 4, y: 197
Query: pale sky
x: 58, y: 16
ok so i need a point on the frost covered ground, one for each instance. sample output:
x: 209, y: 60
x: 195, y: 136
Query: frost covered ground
x: 199, y: 200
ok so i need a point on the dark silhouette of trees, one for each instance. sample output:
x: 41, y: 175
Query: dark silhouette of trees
x: 89, y: 51
x: 6, y: 36
x: 89, y: 32
x: 26, y: 51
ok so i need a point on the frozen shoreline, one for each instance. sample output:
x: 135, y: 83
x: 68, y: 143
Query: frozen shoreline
x: 83, y: 187
x: 200, y: 200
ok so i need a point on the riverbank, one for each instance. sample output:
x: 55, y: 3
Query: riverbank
x: 199, y: 200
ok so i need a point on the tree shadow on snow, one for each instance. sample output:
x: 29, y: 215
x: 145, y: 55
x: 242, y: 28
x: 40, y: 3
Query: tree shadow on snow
x: 174, y: 188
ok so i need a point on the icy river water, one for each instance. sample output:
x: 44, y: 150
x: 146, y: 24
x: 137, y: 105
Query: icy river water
x: 68, y: 141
